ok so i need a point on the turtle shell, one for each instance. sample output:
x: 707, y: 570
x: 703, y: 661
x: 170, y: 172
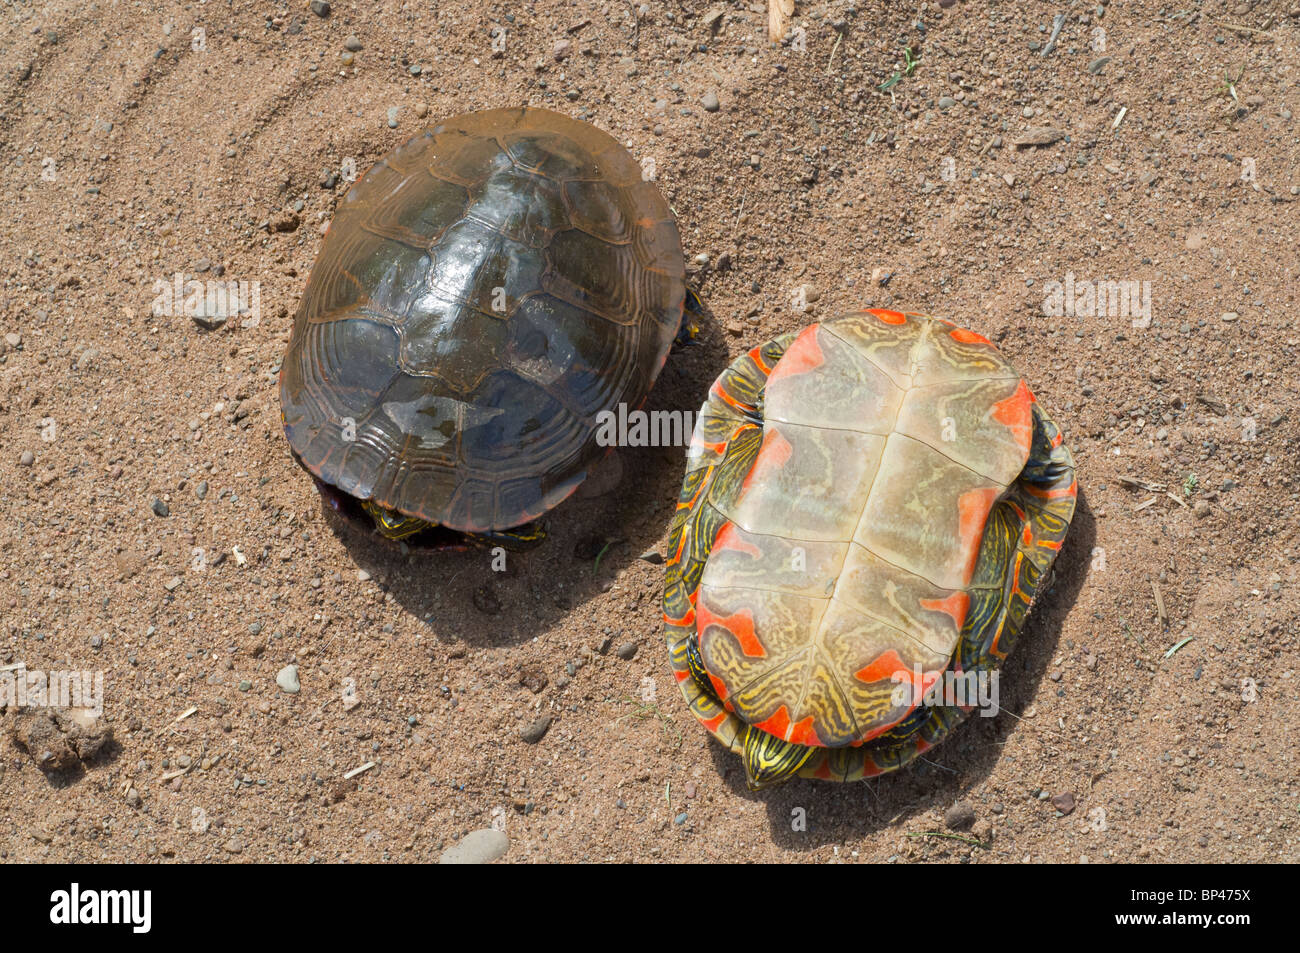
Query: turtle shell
x: 868, y: 505
x: 483, y: 293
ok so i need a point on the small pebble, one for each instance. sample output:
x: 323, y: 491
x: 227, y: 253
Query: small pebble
x: 352, y: 44
x: 626, y: 651
x: 287, y: 679
x: 536, y: 731
x: 1064, y: 802
x: 710, y: 102
x: 960, y: 816
x: 160, y: 508
x: 477, y: 847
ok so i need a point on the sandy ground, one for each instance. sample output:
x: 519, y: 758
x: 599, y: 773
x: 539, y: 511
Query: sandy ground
x: 142, y: 141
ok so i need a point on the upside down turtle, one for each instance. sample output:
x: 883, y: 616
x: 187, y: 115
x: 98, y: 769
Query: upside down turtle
x: 869, y: 509
x: 483, y: 293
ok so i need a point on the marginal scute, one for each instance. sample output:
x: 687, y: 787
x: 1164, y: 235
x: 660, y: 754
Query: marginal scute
x: 483, y: 292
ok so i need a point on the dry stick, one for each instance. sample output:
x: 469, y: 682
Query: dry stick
x: 1057, y: 23
x: 838, y: 37
x: 1160, y: 603
x: 1242, y: 29
x: 779, y: 13
x: 355, y: 771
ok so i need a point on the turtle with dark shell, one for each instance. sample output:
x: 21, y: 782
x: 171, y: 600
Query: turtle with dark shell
x: 870, y: 507
x: 484, y: 292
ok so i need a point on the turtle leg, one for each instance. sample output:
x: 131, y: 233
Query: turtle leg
x: 689, y: 329
x: 517, y: 540
x: 391, y: 524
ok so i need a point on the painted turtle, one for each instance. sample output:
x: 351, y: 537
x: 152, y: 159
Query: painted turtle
x: 870, y: 506
x: 484, y: 291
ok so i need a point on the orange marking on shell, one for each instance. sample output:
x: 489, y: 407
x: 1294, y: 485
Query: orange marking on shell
x: 677, y: 553
x: 1016, y: 414
x: 772, y: 456
x: 884, y: 667
x: 685, y: 622
x: 997, y: 637
x: 803, y: 355
x: 967, y: 336
x: 1027, y: 537
x: 729, y: 538
x: 972, y: 513
x: 1043, y: 494
x: 889, y: 317
x: 799, y: 732
x: 713, y: 724
x: 719, y: 689
x: 823, y: 770
x: 889, y: 666
x: 719, y: 392
x: 955, y: 606
x: 681, y: 676
x: 756, y: 355
x: 740, y: 624
x: 870, y: 769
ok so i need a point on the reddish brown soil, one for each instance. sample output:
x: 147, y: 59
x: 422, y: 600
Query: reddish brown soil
x: 129, y: 155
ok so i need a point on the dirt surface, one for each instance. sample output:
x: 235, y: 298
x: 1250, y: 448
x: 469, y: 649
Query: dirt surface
x: 135, y: 148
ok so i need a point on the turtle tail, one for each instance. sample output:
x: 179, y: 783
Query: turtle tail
x: 769, y: 760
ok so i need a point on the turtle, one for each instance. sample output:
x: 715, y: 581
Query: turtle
x: 483, y: 293
x: 870, y: 507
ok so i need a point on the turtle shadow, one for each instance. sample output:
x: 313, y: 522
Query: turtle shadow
x: 489, y: 597
x: 806, y: 815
